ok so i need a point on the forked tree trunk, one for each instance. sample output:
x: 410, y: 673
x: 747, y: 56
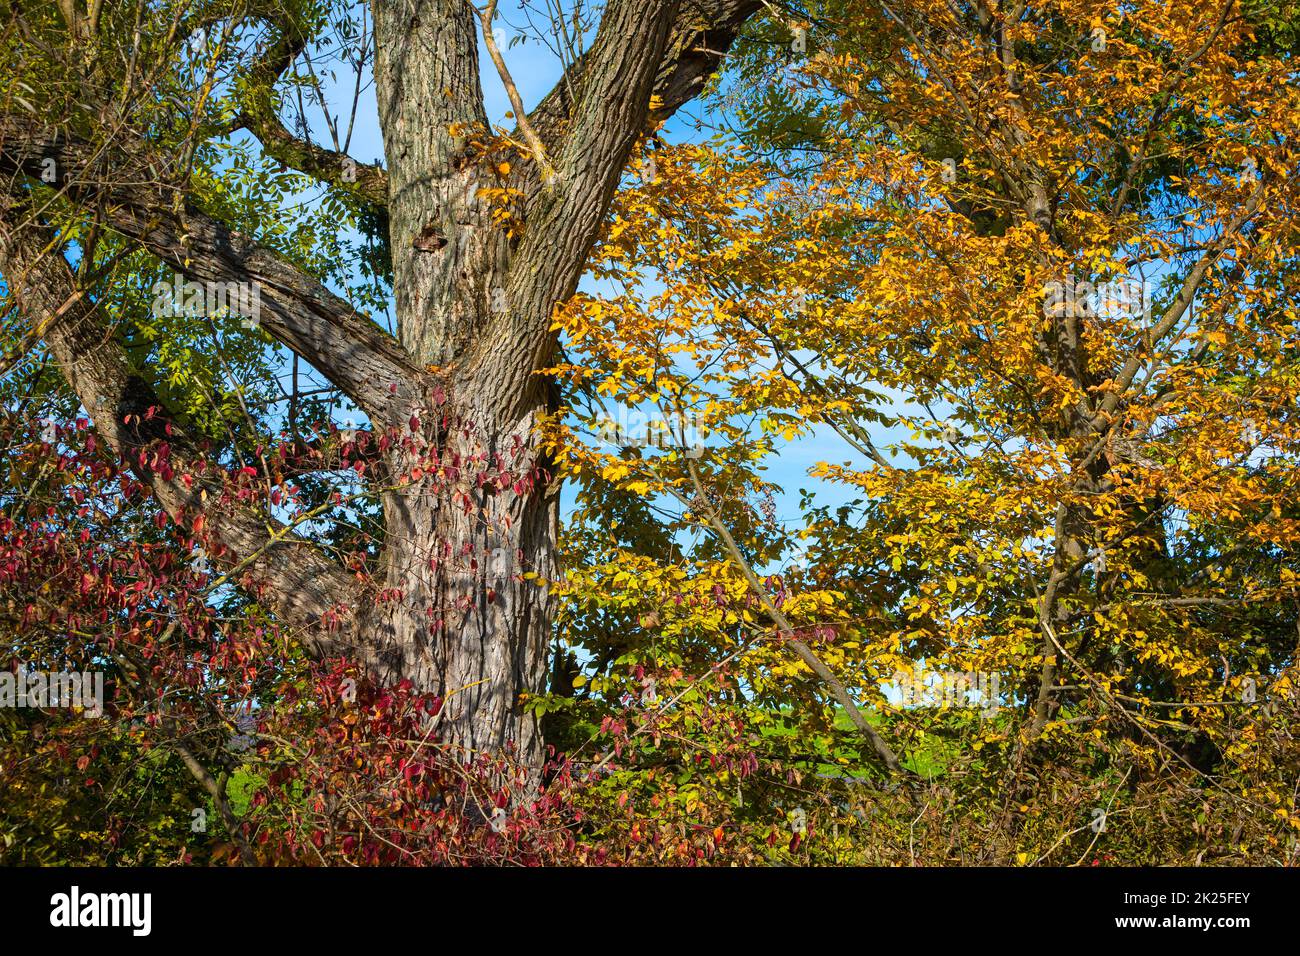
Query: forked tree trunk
x: 475, y: 282
x: 471, y: 511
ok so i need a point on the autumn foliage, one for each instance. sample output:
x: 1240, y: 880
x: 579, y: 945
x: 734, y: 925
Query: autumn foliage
x: 1016, y: 284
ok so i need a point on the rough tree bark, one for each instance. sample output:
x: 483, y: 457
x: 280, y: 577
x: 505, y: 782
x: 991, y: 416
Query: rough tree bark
x: 473, y: 307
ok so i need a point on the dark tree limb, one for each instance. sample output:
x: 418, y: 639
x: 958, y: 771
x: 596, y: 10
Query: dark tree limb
x: 261, y: 117
x: 297, y: 309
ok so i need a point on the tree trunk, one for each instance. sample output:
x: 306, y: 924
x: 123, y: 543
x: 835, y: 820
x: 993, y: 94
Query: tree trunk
x: 459, y: 618
x: 462, y: 622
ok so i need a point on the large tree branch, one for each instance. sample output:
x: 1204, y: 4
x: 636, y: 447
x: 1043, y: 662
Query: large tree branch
x: 303, y: 584
x: 656, y: 53
x: 612, y: 107
x: 701, y: 34
x: 430, y: 105
x: 293, y: 306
